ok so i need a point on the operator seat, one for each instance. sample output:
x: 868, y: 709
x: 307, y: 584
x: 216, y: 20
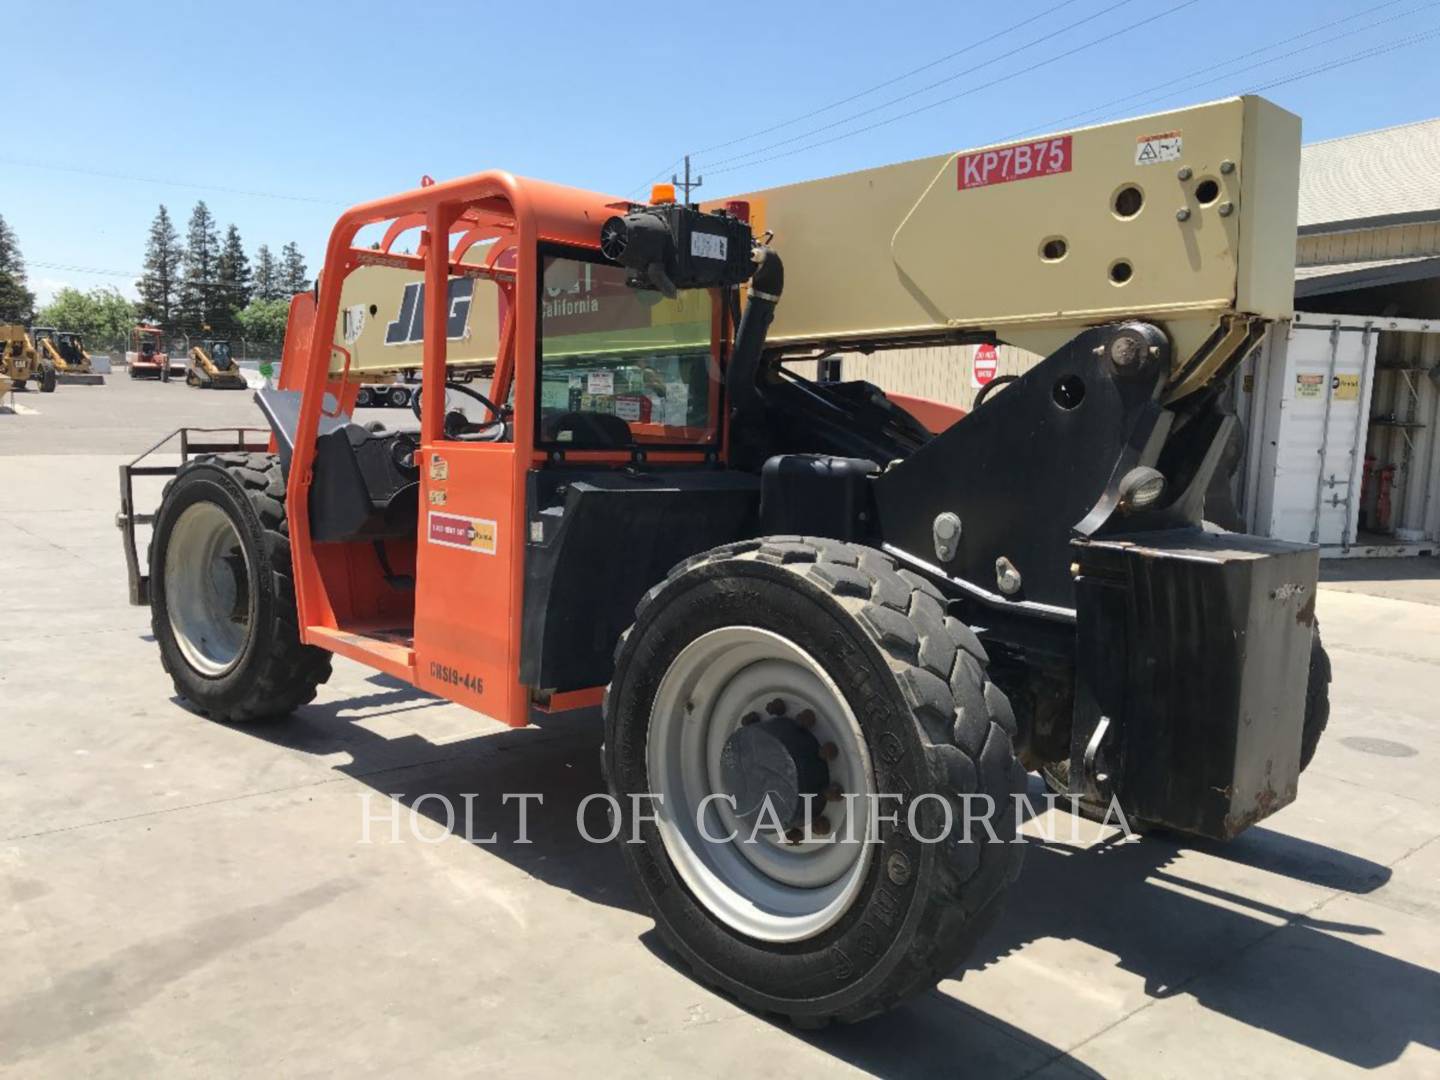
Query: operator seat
x: 366, y: 483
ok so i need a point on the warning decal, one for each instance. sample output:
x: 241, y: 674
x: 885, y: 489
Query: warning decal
x: 1346, y: 387
x: 1153, y: 149
x: 467, y: 533
x: 1023, y: 162
x: 1308, y: 386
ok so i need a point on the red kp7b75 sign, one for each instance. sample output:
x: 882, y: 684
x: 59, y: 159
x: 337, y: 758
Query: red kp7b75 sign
x: 1020, y: 162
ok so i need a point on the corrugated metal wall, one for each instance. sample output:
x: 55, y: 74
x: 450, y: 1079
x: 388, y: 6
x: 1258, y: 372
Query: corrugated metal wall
x: 1389, y: 242
x: 942, y: 373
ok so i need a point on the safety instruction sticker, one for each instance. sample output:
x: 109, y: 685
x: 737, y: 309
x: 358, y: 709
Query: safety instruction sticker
x: 600, y: 383
x: 466, y: 533
x: 1346, y: 387
x: 1308, y: 386
x: 1153, y: 149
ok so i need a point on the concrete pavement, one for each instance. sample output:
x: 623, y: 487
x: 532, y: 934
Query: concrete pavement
x: 185, y: 897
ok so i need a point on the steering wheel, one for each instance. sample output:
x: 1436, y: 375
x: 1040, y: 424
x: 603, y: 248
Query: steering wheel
x: 458, y: 425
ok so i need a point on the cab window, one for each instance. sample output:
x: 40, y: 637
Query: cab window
x: 622, y: 367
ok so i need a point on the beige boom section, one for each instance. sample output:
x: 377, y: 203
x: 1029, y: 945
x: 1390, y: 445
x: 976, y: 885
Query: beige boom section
x: 379, y: 321
x: 1184, y: 218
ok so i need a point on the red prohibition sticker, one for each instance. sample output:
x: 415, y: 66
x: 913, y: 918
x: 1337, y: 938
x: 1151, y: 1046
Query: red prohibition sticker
x: 1023, y: 161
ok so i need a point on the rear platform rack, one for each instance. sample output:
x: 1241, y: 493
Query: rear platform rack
x: 243, y: 439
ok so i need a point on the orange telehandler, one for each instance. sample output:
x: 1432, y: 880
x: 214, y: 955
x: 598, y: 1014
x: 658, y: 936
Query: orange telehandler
x: 794, y: 600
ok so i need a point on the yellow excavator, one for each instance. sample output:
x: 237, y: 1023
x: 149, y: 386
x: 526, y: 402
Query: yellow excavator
x: 19, y: 362
x: 213, y: 366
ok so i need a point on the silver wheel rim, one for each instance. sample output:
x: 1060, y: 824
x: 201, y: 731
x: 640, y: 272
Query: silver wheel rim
x: 207, y: 592
x: 769, y: 888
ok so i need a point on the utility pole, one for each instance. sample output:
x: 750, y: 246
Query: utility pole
x: 686, y: 185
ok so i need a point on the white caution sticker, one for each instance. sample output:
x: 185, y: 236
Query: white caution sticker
x: 1153, y: 149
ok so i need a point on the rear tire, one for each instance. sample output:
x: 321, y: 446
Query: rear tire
x: 363, y: 398
x: 1317, y: 700
x: 222, y: 598
x: 936, y: 730
x: 399, y: 397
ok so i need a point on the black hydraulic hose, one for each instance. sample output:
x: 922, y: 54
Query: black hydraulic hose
x: 742, y: 379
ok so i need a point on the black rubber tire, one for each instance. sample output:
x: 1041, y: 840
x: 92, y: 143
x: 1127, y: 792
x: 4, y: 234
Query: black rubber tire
x: 1317, y: 700
x: 275, y: 674
x: 398, y: 397
x: 362, y: 398
x: 19, y: 384
x: 934, y: 722
x: 48, y: 378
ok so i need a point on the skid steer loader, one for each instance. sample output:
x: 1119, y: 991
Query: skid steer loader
x: 794, y: 601
x: 20, y: 363
x: 64, y: 350
x: 213, y: 366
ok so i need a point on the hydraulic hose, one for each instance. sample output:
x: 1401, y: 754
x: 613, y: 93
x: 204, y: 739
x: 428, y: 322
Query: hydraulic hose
x: 742, y: 378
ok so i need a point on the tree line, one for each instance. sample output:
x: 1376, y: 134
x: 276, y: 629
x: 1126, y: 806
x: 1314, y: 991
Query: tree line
x: 207, y: 285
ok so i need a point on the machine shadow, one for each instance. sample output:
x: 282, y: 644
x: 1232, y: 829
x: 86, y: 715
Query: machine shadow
x: 459, y: 787
x: 1126, y: 899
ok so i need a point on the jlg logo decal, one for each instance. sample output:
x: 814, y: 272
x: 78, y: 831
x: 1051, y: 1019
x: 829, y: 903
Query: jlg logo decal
x: 467, y: 533
x: 1021, y: 162
x: 409, y: 324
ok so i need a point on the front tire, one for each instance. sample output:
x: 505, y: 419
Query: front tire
x: 222, y: 598
x: 399, y: 397
x: 881, y: 655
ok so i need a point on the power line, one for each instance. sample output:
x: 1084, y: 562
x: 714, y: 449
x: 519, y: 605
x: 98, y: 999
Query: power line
x: 1378, y: 50
x: 169, y: 183
x: 668, y: 169
x: 1061, y: 121
x: 1027, y: 70
x: 1282, y: 56
x: 888, y: 82
x: 76, y: 269
x: 713, y: 166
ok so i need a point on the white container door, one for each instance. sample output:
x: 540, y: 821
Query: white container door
x: 1316, y: 412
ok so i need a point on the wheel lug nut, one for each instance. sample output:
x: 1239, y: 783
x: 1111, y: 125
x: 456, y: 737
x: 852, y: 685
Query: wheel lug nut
x: 806, y: 718
x: 750, y: 718
x: 776, y: 707
x: 833, y: 793
x: 829, y: 752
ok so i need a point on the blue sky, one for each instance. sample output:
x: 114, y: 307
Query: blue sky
x: 333, y: 103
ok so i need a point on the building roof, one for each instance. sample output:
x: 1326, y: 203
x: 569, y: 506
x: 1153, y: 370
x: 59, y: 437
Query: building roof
x: 1365, y: 274
x: 1385, y: 177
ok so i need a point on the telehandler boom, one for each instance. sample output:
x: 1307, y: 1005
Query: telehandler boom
x: 826, y: 636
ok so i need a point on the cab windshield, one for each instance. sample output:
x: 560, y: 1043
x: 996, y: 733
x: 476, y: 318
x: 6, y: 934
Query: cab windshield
x: 621, y: 366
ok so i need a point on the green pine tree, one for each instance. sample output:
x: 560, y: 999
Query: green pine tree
x: 292, y: 271
x: 159, y: 285
x: 267, y: 276
x: 17, y: 303
x: 235, y: 281
x: 200, y: 290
